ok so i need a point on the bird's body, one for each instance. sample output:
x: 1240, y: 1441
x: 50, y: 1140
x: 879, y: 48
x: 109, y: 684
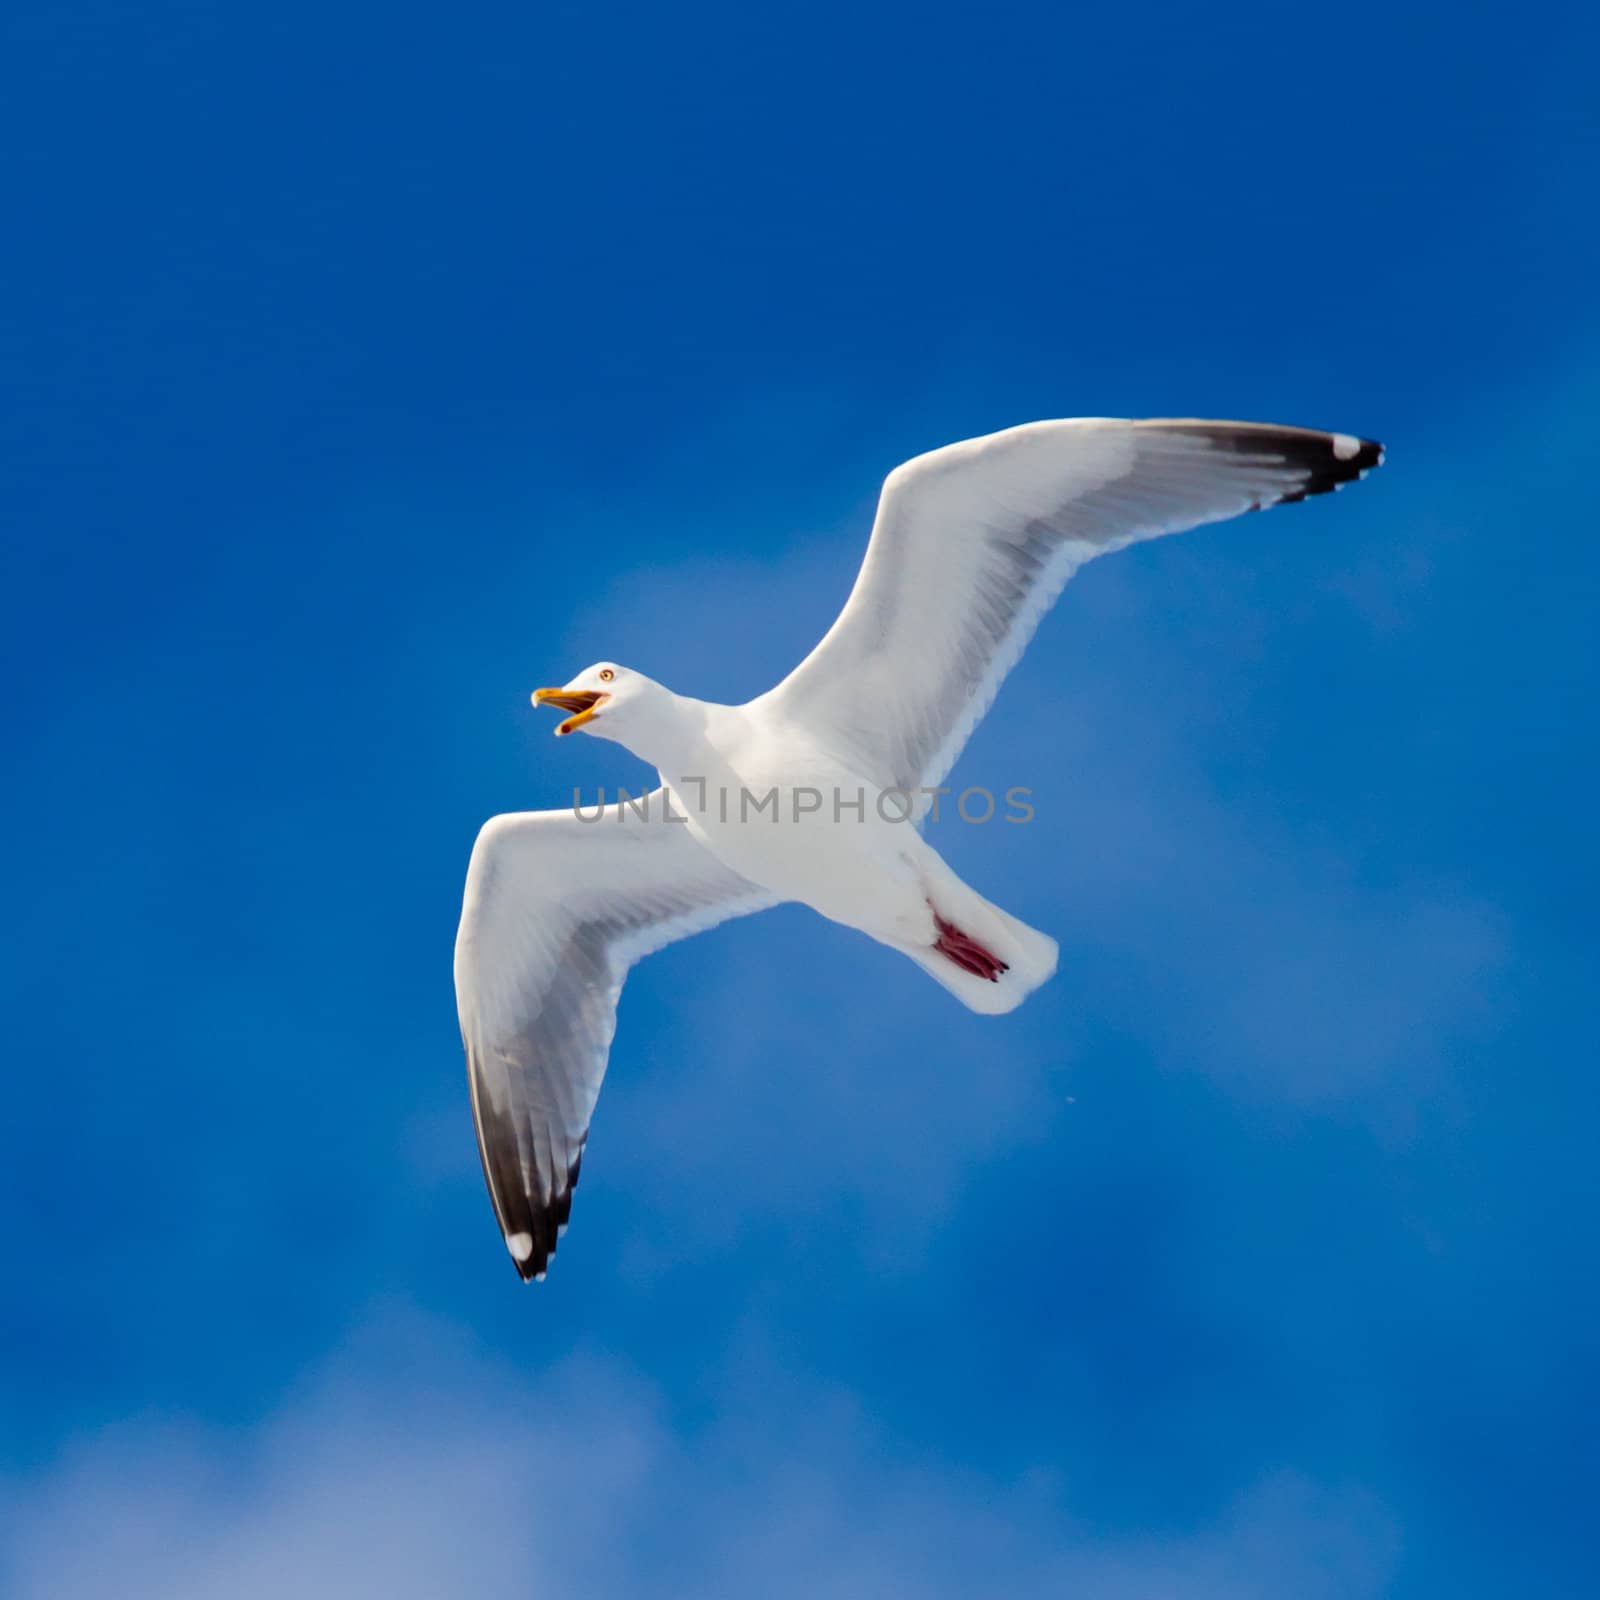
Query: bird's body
x: 814, y: 792
x: 800, y: 823
x: 769, y: 800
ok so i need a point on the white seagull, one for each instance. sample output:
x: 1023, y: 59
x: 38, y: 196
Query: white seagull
x: 815, y: 790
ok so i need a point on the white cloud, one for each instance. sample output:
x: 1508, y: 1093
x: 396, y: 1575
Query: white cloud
x: 412, y: 1466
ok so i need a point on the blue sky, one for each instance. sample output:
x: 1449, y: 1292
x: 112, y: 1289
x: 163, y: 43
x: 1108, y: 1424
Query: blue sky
x: 363, y: 371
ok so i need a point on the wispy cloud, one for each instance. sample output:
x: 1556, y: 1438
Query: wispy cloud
x: 453, y: 1474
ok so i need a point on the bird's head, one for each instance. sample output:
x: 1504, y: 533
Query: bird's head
x: 604, y: 699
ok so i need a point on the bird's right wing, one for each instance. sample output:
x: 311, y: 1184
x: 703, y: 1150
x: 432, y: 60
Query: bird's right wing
x: 972, y: 544
x: 556, y: 911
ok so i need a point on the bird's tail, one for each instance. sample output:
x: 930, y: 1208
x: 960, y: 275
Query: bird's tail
x: 984, y: 956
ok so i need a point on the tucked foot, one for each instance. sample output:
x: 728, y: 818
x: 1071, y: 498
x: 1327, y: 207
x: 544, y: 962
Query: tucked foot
x: 966, y: 952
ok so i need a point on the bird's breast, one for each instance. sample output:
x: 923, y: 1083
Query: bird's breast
x: 803, y: 826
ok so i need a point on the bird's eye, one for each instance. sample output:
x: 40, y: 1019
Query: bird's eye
x: 606, y: 675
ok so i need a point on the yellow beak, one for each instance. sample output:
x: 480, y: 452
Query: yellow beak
x: 584, y: 702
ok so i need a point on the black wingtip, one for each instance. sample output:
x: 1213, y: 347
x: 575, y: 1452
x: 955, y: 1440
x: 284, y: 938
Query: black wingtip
x: 1323, y: 461
x: 1330, y: 460
x: 531, y: 1237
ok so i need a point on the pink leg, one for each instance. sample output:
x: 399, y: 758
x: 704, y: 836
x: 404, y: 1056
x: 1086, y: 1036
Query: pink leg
x: 966, y: 952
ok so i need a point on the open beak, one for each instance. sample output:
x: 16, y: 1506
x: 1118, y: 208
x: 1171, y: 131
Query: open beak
x: 584, y: 702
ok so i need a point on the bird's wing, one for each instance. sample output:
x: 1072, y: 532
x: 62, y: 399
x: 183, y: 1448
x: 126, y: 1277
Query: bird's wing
x: 557, y: 909
x: 972, y: 544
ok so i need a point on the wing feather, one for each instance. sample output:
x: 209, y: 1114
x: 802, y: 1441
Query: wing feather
x: 556, y: 911
x: 973, y: 543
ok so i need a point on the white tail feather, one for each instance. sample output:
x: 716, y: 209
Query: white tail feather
x: 1030, y: 956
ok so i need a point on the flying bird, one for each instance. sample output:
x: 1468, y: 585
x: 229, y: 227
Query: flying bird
x: 815, y: 790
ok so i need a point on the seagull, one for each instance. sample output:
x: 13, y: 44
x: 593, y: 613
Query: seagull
x: 816, y: 791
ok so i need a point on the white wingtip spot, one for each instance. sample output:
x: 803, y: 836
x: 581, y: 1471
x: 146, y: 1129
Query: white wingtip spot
x: 520, y: 1245
x: 1345, y: 445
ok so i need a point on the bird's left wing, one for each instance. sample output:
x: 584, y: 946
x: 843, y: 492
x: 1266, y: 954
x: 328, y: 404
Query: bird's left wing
x: 973, y: 542
x: 557, y: 909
